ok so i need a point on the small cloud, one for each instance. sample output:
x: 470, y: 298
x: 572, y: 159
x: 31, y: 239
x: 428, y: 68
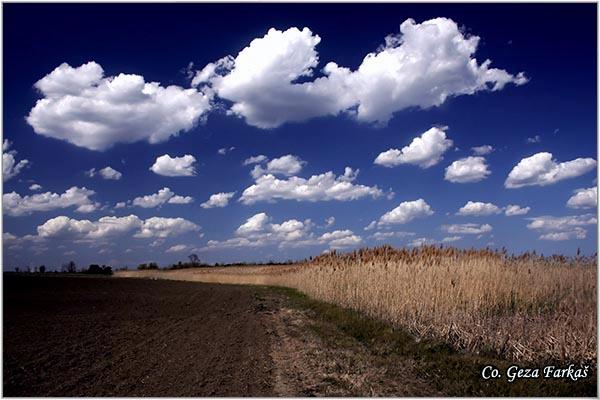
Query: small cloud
x: 166, y: 165
x: 513, y: 209
x: 255, y: 159
x: 425, y: 151
x: 177, y: 248
x: 535, y: 139
x: 224, y: 150
x: 482, y: 150
x: 450, y: 239
x: 467, y: 170
x: 218, y: 200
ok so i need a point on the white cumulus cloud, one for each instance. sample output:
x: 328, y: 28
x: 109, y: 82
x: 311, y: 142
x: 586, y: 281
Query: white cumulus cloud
x: 86, y: 230
x: 562, y: 228
x: 340, y: 239
x: 389, y: 235
x: 224, y: 150
x: 159, y: 227
x: 406, y: 212
x: 10, y: 166
x: 422, y: 66
x: 110, y: 173
x: 110, y: 227
x: 513, y: 209
x: 259, y: 231
x: 418, y: 242
x: 323, y: 187
x: 35, y: 187
x: 467, y: 170
x: 287, y: 165
x: 478, y: 209
x: 482, y: 150
x: 541, y: 169
x: 218, y: 200
x: 424, y: 151
x: 255, y: 159
x: 163, y: 196
x: 576, y: 233
x: 467, y: 229
x: 450, y: 239
x: 174, y: 166
x: 105, y: 173
x: 16, y: 205
x: 584, y: 198
x: 552, y: 223
x: 83, y: 107
x: 178, y: 248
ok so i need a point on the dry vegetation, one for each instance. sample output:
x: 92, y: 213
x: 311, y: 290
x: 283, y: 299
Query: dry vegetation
x: 526, y: 307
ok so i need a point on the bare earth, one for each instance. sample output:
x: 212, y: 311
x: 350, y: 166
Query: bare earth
x: 89, y: 336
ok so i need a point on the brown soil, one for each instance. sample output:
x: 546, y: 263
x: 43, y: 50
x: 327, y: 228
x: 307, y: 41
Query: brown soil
x: 129, y: 337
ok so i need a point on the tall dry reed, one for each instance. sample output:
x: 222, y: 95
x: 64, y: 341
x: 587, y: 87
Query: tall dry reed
x: 525, y: 307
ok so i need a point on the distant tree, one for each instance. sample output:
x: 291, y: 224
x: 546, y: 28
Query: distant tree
x: 194, y: 259
x: 144, y: 266
x: 17, y: 269
x: 94, y: 269
x: 70, y: 267
x: 42, y: 269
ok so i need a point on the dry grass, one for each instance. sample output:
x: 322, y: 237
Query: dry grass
x: 528, y: 307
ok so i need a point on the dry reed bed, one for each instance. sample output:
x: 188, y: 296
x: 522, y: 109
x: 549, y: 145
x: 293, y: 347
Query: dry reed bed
x: 526, y: 307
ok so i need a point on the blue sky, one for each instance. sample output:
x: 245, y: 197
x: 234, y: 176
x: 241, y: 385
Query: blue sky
x: 182, y: 96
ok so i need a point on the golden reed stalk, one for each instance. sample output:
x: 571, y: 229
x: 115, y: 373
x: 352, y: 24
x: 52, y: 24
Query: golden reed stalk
x: 526, y: 307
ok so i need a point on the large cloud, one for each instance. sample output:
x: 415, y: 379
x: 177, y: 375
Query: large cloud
x: 478, y: 209
x: 424, y: 151
x: 10, y: 166
x: 174, y: 166
x: 406, y: 212
x: 584, y: 198
x: 85, y: 108
x: 82, y: 230
x: 16, y: 205
x: 109, y: 228
x: 421, y: 67
x: 466, y: 170
x: 541, y: 169
x: 323, y: 187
